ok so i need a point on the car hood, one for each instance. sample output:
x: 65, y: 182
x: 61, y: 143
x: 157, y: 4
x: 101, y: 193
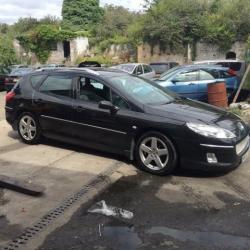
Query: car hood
x: 193, y: 111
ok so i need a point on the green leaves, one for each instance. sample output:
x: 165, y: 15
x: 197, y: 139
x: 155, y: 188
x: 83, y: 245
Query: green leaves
x: 7, y: 52
x: 80, y: 14
x: 173, y: 24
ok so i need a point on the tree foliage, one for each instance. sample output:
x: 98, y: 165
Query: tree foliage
x: 7, y: 52
x: 172, y: 24
x: 80, y: 14
x: 113, y: 27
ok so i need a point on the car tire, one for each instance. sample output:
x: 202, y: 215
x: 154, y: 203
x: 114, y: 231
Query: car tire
x: 156, y: 154
x: 28, y: 128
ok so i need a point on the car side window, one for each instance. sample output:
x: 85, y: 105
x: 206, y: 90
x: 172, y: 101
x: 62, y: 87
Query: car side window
x: 147, y: 69
x: 36, y: 80
x: 187, y: 76
x: 58, y: 85
x: 119, y: 102
x: 93, y: 91
x: 139, y: 70
x: 206, y: 75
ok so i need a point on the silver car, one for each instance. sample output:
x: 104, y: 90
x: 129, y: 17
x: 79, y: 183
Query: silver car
x: 139, y: 69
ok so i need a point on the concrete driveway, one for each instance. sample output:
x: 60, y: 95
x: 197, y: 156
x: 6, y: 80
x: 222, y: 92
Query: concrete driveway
x: 62, y: 169
x: 184, y: 211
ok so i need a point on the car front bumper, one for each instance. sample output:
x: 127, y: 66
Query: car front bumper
x: 194, y: 156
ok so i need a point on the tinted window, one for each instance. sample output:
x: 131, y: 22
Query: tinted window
x: 93, y: 91
x: 142, y: 90
x: 119, y: 101
x: 35, y: 80
x: 236, y: 66
x: 57, y: 85
x: 147, y: 69
x: 139, y: 70
x: 187, y: 76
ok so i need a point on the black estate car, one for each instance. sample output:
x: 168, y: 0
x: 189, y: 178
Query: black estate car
x: 116, y: 112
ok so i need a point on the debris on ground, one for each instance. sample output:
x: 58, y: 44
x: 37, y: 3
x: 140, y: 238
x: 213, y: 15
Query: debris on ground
x: 22, y: 186
x: 102, y: 208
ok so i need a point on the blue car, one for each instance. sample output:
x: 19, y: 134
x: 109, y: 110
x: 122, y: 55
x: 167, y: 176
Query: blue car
x: 191, y: 80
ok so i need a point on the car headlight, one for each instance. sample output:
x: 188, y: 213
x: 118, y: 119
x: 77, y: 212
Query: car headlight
x: 210, y: 131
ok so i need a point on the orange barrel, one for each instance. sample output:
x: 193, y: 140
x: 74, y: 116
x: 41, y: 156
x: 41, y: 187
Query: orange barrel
x: 217, y: 94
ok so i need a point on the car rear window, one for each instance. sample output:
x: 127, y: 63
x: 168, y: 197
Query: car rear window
x: 35, y: 80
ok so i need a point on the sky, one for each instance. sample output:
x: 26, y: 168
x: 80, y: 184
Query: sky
x: 11, y: 10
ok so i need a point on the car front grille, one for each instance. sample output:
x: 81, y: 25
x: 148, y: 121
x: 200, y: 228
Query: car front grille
x: 240, y: 147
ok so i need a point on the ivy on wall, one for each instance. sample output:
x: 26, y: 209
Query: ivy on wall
x: 42, y: 39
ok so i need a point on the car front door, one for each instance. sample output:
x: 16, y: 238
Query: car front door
x: 52, y: 100
x: 149, y: 73
x: 97, y: 127
x: 185, y: 83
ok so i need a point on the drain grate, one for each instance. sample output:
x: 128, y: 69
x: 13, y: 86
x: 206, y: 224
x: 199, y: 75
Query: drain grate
x: 29, y: 233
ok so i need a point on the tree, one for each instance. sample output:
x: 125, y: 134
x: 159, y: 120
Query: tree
x: 7, y: 52
x: 172, y: 24
x: 25, y: 24
x: 80, y: 14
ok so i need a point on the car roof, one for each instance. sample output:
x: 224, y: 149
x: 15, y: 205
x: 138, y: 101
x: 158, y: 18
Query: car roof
x: 97, y: 71
x: 156, y: 63
x: 201, y: 66
x: 219, y: 60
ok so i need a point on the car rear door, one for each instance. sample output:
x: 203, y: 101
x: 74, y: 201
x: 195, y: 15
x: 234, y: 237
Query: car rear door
x: 148, y: 72
x: 185, y: 83
x: 53, y: 102
x: 96, y: 127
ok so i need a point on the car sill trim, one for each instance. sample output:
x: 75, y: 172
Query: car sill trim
x: 216, y: 146
x: 84, y: 124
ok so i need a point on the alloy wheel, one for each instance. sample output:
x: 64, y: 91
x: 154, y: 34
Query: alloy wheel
x: 27, y: 127
x: 154, y: 153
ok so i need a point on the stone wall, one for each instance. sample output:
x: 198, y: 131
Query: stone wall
x: 121, y: 53
x: 57, y: 56
x: 206, y: 51
x: 146, y: 54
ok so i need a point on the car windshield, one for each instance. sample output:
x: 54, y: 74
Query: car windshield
x: 143, y: 90
x: 126, y: 67
x: 167, y: 74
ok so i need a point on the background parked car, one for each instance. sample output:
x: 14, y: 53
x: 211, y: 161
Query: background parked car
x: 162, y: 67
x: 191, y: 80
x: 14, y: 76
x: 239, y: 66
x: 4, y: 71
x: 89, y: 64
x: 143, y: 70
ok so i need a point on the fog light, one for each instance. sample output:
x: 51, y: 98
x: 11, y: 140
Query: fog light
x: 211, y: 158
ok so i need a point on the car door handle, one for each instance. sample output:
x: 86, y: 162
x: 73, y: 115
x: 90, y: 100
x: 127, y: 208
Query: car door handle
x: 79, y: 108
x: 191, y: 83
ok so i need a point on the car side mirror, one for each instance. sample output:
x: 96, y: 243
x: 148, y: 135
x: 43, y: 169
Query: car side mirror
x: 174, y: 81
x: 108, y: 106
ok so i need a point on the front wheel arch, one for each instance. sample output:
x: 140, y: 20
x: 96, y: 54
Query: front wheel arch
x: 174, y: 156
